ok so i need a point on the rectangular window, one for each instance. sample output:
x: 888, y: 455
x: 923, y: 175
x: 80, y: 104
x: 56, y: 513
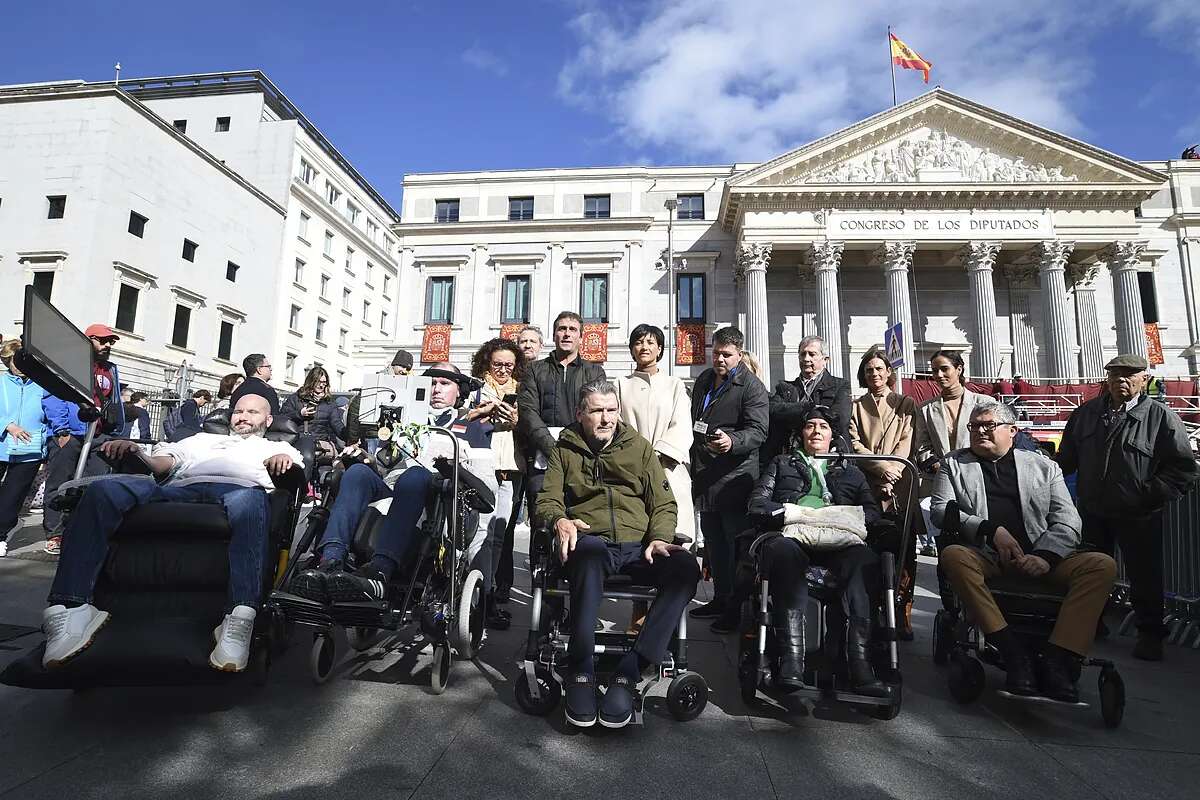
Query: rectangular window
x: 225, y: 340
x: 372, y: 231
x: 515, y: 303
x: 231, y: 270
x: 345, y: 299
x: 383, y: 321
x: 127, y: 304
x: 180, y: 125
x: 294, y: 318
x: 299, y: 276
x: 593, y: 301
x: 387, y: 285
x: 1149, y: 296
x: 183, y: 320
x: 332, y: 193
x: 445, y: 211
x: 389, y: 244
x: 350, y: 260
x: 520, y: 208
x: 690, y: 296
x: 137, y: 224
x: 353, y: 212
x: 439, y: 300
x: 189, y: 250
x: 370, y: 270
x: 342, y: 339
x: 328, y: 244
x: 222, y: 124
x: 57, y: 206
x: 595, y: 206
x: 303, y: 233
x: 691, y: 206
x: 43, y: 283
x: 320, y: 334
x: 366, y: 317
x: 308, y: 172
x: 324, y: 287
x: 289, y: 366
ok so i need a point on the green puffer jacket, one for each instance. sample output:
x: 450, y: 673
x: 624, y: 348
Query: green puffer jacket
x: 621, y: 492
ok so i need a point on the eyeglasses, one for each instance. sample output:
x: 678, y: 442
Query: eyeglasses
x: 985, y: 427
x: 106, y: 339
x: 508, y: 365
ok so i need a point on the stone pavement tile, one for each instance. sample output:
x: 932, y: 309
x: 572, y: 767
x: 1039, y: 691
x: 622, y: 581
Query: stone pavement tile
x: 1123, y: 773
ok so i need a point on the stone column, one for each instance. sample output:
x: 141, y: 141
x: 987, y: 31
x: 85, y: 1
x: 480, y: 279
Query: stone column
x: 1123, y: 259
x: 1087, y: 321
x: 826, y: 258
x: 896, y: 258
x: 1052, y: 261
x: 1022, y: 277
x: 979, y: 258
x: 752, y: 262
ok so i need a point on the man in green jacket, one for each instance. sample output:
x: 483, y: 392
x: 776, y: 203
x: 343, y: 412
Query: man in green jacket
x: 608, y: 503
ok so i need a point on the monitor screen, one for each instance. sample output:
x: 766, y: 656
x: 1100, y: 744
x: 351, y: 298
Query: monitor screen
x: 59, y: 347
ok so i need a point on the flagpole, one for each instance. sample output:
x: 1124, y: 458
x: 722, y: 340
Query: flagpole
x: 892, y: 65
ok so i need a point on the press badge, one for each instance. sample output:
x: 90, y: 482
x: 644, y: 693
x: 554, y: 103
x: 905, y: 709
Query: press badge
x: 700, y: 427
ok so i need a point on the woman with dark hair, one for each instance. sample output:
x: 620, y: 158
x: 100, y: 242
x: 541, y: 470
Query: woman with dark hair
x: 23, y: 439
x: 314, y: 411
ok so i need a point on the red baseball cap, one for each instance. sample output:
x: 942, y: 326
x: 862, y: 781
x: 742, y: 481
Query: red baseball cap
x: 100, y: 331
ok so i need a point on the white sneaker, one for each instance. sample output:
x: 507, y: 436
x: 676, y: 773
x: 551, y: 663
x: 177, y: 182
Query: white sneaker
x: 3, y: 549
x: 233, y: 636
x: 69, y: 631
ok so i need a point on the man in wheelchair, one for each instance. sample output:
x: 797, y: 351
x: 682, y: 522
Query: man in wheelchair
x: 231, y: 470
x: 1015, y: 521
x: 608, y: 503
x: 796, y: 486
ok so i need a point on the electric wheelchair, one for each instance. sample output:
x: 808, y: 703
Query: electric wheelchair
x: 1030, y: 608
x: 825, y: 658
x: 436, y: 587
x: 164, y: 582
x: 539, y: 680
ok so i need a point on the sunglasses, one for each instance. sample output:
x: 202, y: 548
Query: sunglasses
x: 985, y: 427
x: 106, y: 339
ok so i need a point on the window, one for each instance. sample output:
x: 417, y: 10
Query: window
x: 690, y: 297
x: 345, y: 299
x: 189, y: 250
x: 514, y: 305
x: 43, y: 283
x: 180, y: 125
x: 303, y: 233
x: 387, y: 285
x: 389, y: 244
x: 366, y: 317
x: 329, y: 244
x: 445, y: 211
x: 137, y: 224
x: 127, y: 303
x: 289, y: 367
x: 225, y: 340
x: 332, y: 193
x: 593, y: 301
x: 341, y: 379
x: 320, y: 334
x: 595, y: 206
x: 342, y: 339
x: 383, y: 321
x: 691, y: 206
x: 299, y: 276
x: 1149, y: 296
x: 439, y: 300
x: 353, y: 212
x: 520, y: 208
x: 324, y: 287
x: 294, y: 318
x: 183, y: 320
x: 231, y: 270
x: 222, y: 124
x: 308, y: 172
x: 350, y: 260
x: 372, y: 231
x: 57, y: 206
x: 370, y: 269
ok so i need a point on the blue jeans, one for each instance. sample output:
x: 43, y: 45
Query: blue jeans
x: 361, y: 486
x: 104, y: 505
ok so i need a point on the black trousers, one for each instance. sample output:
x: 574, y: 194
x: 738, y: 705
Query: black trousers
x: 721, y: 529
x: 60, y: 468
x: 505, y: 572
x: 784, y: 563
x: 15, y: 479
x: 1141, y: 544
x: 594, y: 559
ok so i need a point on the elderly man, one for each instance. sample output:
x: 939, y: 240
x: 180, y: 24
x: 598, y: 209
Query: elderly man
x: 530, y: 342
x: 608, y: 502
x: 230, y: 470
x: 813, y: 387
x: 1016, y: 519
x: 1132, y: 457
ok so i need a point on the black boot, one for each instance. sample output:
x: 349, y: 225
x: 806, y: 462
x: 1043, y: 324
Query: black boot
x: 862, y: 677
x: 1018, y: 679
x: 789, y: 638
x: 1055, y: 678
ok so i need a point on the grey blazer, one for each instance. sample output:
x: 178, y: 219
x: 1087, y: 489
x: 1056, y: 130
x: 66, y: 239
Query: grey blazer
x: 932, y: 438
x: 1051, y: 520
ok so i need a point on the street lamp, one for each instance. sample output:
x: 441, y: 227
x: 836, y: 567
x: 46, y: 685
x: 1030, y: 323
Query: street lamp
x: 671, y: 204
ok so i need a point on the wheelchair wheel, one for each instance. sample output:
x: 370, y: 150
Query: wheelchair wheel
x: 468, y: 623
x: 440, y: 674
x: 965, y: 678
x: 362, y: 639
x: 892, y: 710
x: 321, y: 658
x: 1112, y: 697
x: 687, y: 696
x: 549, y: 689
x: 941, y: 639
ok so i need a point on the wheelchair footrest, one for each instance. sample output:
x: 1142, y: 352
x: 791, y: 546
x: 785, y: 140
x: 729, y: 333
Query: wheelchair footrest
x: 1040, y: 700
x: 376, y: 614
x: 300, y: 609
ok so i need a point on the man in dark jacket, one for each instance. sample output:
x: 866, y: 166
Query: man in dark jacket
x: 258, y: 375
x: 730, y: 409
x: 608, y: 502
x: 547, y: 398
x: 1132, y: 457
x: 814, y: 386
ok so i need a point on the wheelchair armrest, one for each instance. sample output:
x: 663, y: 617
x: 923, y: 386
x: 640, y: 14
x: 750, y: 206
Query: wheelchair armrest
x: 481, y: 498
x: 292, y: 481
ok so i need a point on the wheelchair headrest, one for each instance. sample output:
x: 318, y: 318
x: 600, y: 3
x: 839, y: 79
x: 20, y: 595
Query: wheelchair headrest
x: 282, y: 428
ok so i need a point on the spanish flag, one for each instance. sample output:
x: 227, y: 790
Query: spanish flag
x: 905, y: 57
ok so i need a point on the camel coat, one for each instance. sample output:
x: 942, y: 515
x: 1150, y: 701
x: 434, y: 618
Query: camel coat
x: 884, y: 429
x: 658, y: 407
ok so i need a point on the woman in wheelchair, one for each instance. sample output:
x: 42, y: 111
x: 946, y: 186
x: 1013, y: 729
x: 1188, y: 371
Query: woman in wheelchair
x: 796, y: 480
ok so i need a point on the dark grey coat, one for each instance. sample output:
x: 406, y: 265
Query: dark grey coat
x: 742, y: 411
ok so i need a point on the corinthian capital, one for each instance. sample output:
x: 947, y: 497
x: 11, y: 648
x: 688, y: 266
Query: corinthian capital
x: 1053, y: 255
x: 894, y: 255
x: 1021, y: 274
x: 1123, y: 255
x: 1081, y: 276
x: 979, y: 256
x: 827, y: 256
x: 752, y: 256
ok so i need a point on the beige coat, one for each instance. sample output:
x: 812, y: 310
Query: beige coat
x: 887, y: 429
x: 658, y: 407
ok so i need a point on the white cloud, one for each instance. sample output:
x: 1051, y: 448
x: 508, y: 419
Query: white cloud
x: 745, y: 81
x: 485, y: 60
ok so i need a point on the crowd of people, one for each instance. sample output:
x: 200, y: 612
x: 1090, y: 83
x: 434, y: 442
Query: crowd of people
x: 639, y: 474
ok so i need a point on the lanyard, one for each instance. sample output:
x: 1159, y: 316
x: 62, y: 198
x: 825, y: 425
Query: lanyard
x: 710, y: 397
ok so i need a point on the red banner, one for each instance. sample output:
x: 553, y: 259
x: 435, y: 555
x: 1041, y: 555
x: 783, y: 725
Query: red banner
x: 435, y: 345
x: 511, y: 330
x: 594, y: 346
x: 689, y: 344
x: 1154, y: 353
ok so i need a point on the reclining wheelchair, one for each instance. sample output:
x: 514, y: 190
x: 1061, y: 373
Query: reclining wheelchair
x: 164, y: 582
x: 1030, y: 608
x: 825, y: 657
x: 436, y: 587
x: 539, y: 680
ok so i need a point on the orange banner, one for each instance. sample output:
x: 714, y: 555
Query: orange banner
x: 511, y: 330
x: 1154, y: 353
x: 594, y: 346
x: 435, y: 345
x: 689, y: 344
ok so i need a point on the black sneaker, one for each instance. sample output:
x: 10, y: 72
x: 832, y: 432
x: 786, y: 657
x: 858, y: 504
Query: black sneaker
x: 312, y: 583
x: 616, y: 708
x: 366, y: 587
x: 1149, y: 647
x: 501, y: 595
x: 580, y: 705
x: 727, y: 622
x: 710, y: 610
x: 1054, y: 676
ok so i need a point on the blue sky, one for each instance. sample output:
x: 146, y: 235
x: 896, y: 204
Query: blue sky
x: 411, y: 87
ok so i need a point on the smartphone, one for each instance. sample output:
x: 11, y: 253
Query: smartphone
x: 510, y: 399
x: 714, y: 435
